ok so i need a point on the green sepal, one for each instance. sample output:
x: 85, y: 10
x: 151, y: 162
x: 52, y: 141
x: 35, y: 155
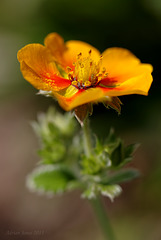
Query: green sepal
x: 52, y: 179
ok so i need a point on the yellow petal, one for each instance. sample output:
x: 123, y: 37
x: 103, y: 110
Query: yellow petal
x: 76, y: 47
x: 119, y: 62
x: 127, y: 72
x: 39, y: 69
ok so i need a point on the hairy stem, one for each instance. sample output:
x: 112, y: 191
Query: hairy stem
x: 87, y: 138
x: 97, y: 204
x: 102, y: 218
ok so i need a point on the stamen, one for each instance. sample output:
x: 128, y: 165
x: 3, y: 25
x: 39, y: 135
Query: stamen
x: 68, y: 69
x: 87, y: 84
x: 86, y: 72
x: 79, y: 55
x: 75, y: 83
x: 103, y: 70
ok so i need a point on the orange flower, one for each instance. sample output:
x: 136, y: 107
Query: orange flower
x: 76, y: 74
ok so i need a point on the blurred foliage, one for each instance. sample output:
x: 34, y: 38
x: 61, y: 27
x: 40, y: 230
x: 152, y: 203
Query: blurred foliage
x: 61, y: 170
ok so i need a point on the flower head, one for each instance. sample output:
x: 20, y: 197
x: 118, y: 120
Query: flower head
x: 76, y: 74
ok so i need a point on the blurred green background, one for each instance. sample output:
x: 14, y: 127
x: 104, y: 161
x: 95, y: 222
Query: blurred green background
x: 133, y: 24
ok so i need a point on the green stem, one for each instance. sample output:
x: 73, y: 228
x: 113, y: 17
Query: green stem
x: 97, y: 203
x: 102, y: 217
x: 87, y: 138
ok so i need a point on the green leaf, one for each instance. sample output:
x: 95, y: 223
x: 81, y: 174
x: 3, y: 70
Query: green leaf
x: 90, y: 192
x: 52, y: 179
x: 90, y: 165
x: 122, y: 176
x: 110, y: 191
x: 53, y: 153
x: 130, y: 149
x: 95, y: 164
x: 119, y: 154
x: 95, y: 189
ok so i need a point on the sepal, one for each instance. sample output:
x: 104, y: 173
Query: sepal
x: 114, y: 103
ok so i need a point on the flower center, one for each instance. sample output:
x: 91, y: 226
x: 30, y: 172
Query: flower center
x: 86, y: 72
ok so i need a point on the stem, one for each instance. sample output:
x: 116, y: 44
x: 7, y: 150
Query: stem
x: 103, y: 218
x: 97, y: 203
x: 87, y: 138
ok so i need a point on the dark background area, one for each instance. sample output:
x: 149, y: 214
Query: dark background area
x: 132, y: 24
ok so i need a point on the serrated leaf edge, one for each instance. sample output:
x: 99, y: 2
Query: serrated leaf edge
x: 30, y: 184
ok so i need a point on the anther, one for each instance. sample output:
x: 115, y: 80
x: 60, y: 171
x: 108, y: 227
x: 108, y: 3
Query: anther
x: 87, y: 84
x: 99, y: 75
x: 79, y: 55
x: 103, y: 70
x: 68, y: 68
x: 75, y: 83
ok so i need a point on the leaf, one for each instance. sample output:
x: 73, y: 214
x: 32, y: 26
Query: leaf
x: 51, y: 179
x: 119, y: 154
x: 52, y: 152
x: 122, y: 176
x: 95, y: 189
x: 94, y: 164
x: 110, y: 191
x: 90, y: 165
x: 90, y: 192
x: 130, y: 149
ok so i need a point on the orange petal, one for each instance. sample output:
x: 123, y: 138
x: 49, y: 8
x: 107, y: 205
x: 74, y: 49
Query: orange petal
x: 39, y: 69
x: 80, y: 97
x: 55, y: 43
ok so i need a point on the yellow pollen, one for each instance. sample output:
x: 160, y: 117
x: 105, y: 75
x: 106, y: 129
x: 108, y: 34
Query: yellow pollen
x: 103, y: 70
x: 75, y: 83
x: 86, y: 72
x: 87, y: 84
